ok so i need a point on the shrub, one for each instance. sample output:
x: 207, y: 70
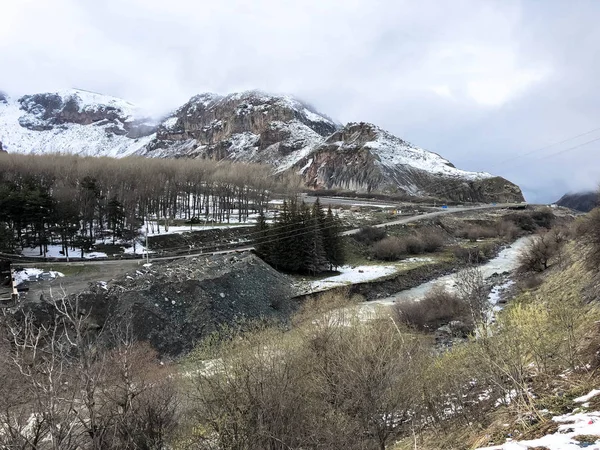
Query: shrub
x: 523, y: 221
x: 543, y: 219
x: 507, y: 229
x: 414, y: 245
x: 473, y: 255
x: 432, y: 241
x: 541, y: 252
x: 437, y: 308
x: 389, y: 249
x: 369, y: 235
x: 474, y: 232
x: 530, y: 283
x: 587, y: 231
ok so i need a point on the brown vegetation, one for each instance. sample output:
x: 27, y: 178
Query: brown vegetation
x: 588, y: 231
x: 393, y: 248
x: 71, y: 388
x: 545, y: 249
x: 437, y: 308
x: 76, y: 200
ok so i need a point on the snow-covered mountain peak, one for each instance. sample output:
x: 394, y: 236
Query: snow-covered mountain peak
x: 392, y: 151
x: 72, y: 121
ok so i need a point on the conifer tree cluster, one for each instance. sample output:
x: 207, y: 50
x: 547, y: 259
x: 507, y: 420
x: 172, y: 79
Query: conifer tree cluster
x: 303, y: 239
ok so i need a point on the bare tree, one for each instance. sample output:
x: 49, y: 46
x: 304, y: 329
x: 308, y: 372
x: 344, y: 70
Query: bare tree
x: 77, y: 389
x: 471, y: 288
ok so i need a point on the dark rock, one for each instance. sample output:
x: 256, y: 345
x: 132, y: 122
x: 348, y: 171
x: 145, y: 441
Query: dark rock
x: 581, y: 201
x: 174, y: 305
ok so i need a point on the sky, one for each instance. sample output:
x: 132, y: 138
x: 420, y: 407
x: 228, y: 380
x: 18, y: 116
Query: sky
x: 489, y: 85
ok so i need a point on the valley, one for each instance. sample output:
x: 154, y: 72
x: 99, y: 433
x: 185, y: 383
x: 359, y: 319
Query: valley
x: 247, y: 262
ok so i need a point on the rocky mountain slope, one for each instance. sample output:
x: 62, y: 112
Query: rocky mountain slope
x: 248, y: 127
x: 580, y: 201
x: 72, y: 121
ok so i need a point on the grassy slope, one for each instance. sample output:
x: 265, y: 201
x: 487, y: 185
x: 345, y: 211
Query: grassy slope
x: 565, y: 284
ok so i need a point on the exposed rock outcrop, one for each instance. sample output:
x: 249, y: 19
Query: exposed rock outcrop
x: 251, y: 126
x: 580, y: 201
x: 73, y: 121
x: 364, y: 158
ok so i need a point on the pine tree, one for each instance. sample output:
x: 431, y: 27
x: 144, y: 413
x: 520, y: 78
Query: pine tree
x: 263, y: 246
x: 332, y: 240
x: 313, y: 253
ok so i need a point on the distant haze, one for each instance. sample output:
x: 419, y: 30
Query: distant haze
x: 480, y: 82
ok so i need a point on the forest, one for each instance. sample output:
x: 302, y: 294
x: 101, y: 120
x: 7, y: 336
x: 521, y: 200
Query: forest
x: 303, y: 239
x: 76, y: 201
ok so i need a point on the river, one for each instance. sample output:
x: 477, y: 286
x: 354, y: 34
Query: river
x: 506, y: 261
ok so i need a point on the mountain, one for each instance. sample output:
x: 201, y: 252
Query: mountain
x: 251, y: 126
x: 580, y: 201
x: 365, y: 158
x: 72, y: 121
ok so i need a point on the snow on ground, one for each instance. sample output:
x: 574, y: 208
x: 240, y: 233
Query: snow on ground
x: 352, y: 275
x: 54, y: 252
x: 187, y: 229
x: 570, y: 426
x: 31, y: 273
x: 586, y: 398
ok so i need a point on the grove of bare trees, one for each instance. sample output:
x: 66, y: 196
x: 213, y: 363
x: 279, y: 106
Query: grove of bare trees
x: 75, y: 201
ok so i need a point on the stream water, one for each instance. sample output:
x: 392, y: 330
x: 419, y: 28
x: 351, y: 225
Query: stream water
x: 506, y: 261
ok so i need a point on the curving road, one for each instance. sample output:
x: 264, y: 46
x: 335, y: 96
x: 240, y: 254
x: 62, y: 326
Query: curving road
x: 449, y: 210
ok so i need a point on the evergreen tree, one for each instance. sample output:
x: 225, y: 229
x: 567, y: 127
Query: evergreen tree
x: 302, y: 239
x: 332, y: 240
x: 314, y: 257
x: 7, y: 241
x: 263, y: 246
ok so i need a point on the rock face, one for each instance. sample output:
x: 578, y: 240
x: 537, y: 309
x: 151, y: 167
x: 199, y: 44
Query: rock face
x: 250, y: 127
x: 581, y: 201
x: 362, y: 157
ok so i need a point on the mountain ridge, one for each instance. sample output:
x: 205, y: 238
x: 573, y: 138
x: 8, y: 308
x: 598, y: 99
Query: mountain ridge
x: 580, y: 201
x: 250, y: 126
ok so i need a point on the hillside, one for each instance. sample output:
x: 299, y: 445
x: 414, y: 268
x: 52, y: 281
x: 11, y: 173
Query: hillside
x: 580, y: 201
x: 251, y: 126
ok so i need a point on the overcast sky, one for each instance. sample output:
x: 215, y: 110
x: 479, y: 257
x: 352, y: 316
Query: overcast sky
x: 481, y: 82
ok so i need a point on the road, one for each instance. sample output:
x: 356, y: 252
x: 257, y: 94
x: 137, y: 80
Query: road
x: 404, y: 220
x: 430, y: 215
x: 343, y: 201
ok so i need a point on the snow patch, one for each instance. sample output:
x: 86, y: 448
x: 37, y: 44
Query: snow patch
x: 571, y: 425
x: 86, y: 140
x: 588, y: 396
x: 32, y: 274
x: 393, y: 152
x: 352, y: 275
